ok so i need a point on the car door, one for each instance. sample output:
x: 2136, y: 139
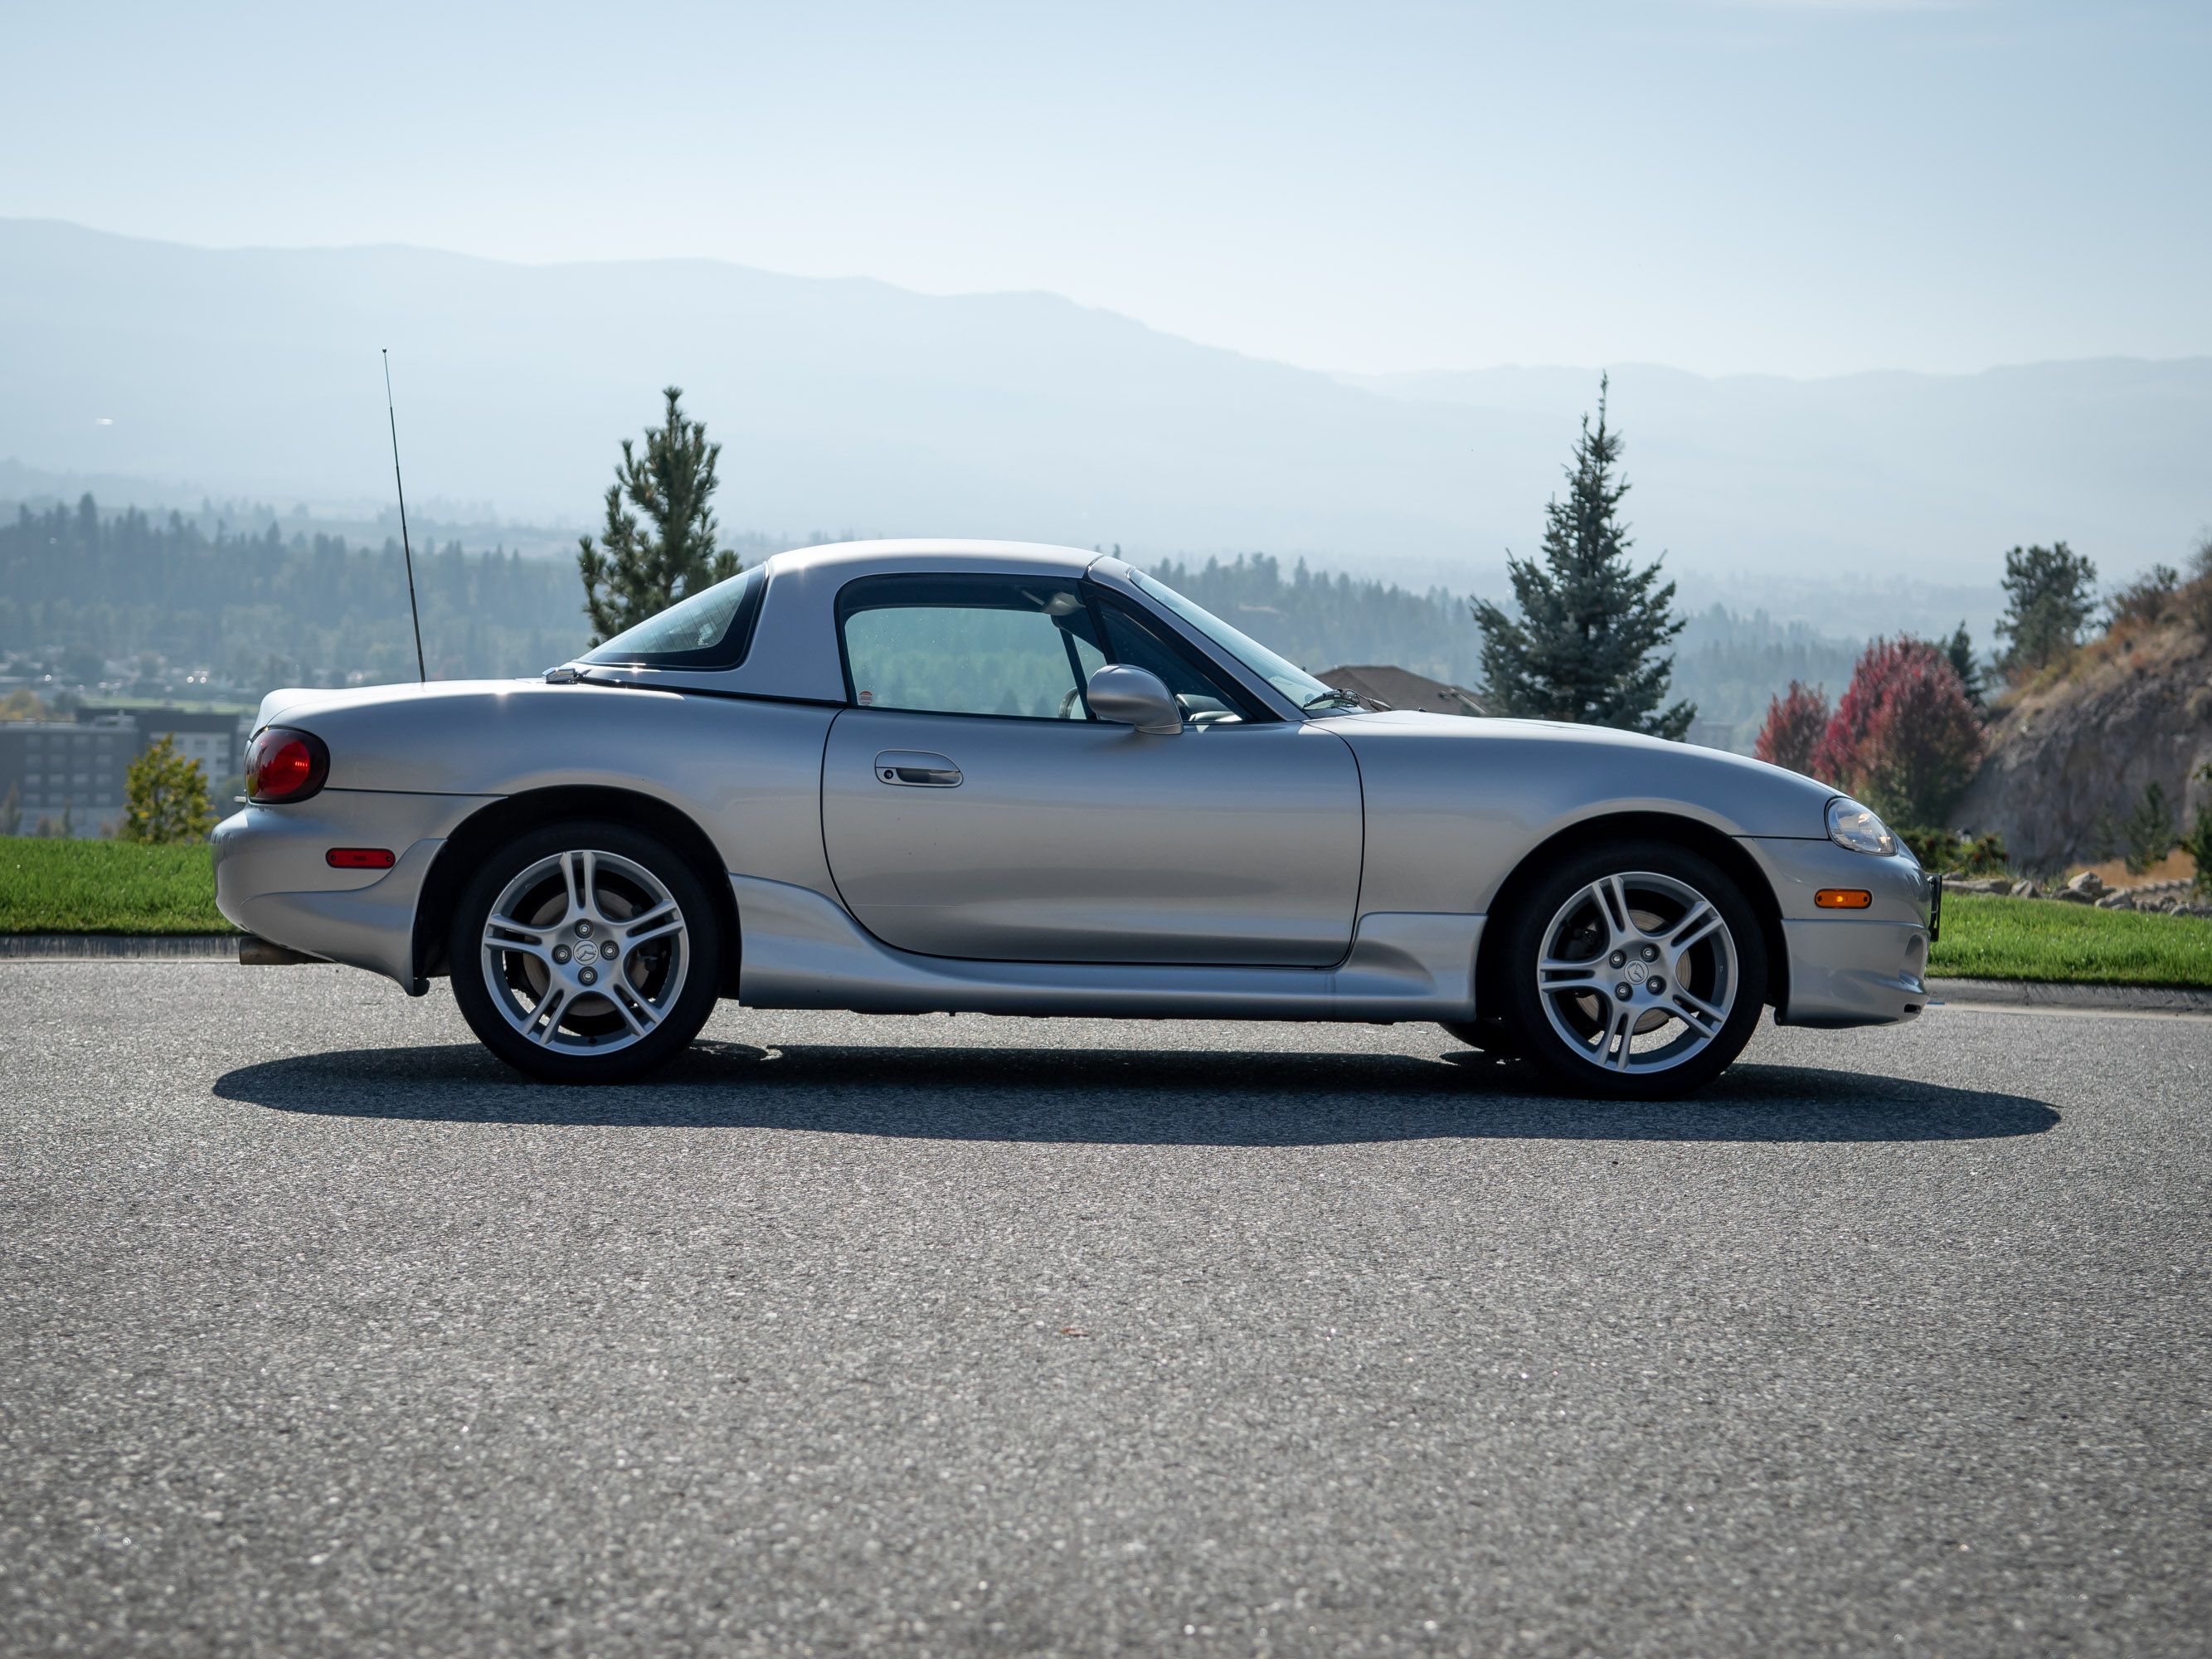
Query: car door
x: 971, y: 805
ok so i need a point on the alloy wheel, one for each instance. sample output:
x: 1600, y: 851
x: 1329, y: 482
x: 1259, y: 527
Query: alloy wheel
x: 585, y: 952
x: 1637, y: 972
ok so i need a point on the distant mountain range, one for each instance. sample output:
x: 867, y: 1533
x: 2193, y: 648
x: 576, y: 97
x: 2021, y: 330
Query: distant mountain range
x: 853, y: 404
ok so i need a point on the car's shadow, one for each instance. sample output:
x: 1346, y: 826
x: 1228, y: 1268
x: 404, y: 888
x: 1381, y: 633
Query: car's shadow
x: 1126, y: 1097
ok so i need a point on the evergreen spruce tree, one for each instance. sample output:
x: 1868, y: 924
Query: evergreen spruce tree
x: 1589, y: 643
x: 1959, y: 648
x: 634, y: 573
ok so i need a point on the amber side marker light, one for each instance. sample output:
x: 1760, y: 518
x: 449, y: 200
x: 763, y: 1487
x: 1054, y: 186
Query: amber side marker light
x: 359, y: 858
x: 1843, y: 898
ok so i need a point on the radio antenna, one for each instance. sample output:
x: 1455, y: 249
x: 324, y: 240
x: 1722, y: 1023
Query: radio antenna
x: 406, y: 552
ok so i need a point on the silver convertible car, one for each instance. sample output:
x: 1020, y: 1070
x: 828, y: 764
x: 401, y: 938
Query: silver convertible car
x: 906, y: 777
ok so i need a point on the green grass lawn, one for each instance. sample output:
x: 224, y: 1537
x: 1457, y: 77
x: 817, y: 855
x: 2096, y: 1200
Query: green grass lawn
x: 54, y: 886
x: 1985, y: 937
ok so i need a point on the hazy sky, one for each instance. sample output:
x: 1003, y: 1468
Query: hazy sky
x: 1800, y: 188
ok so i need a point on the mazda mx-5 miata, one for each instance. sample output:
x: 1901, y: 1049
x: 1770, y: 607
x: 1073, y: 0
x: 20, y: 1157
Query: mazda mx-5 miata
x: 906, y: 777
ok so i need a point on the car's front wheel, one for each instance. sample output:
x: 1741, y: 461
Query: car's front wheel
x: 1634, y: 972
x: 586, y: 952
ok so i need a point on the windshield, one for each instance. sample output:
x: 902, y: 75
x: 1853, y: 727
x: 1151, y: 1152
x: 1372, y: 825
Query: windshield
x: 1286, y: 676
x: 710, y: 629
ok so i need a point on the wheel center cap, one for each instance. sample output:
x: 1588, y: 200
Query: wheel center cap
x: 1638, y: 972
x: 587, y: 952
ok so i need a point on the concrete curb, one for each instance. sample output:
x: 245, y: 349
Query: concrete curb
x: 119, y: 947
x: 2029, y: 993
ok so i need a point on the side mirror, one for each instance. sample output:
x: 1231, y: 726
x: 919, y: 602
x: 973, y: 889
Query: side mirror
x: 1134, y: 697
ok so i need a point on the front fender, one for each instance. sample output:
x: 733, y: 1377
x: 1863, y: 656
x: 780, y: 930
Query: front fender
x: 1454, y: 805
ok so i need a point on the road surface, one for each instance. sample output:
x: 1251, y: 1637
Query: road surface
x: 320, y: 1333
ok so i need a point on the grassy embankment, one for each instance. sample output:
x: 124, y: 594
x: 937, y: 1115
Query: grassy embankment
x: 1991, y: 937
x: 54, y: 886
x: 112, y: 887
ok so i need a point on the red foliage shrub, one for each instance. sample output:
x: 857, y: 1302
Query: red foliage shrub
x: 1795, y: 724
x: 1905, y: 737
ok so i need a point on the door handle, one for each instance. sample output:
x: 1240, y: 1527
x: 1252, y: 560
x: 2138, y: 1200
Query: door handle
x: 917, y: 769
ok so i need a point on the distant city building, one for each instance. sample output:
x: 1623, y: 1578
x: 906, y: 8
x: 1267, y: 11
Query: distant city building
x: 214, y: 734
x: 66, y: 777
x: 1402, y: 689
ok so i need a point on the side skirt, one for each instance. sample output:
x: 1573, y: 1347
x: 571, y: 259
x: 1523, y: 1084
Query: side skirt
x: 802, y: 950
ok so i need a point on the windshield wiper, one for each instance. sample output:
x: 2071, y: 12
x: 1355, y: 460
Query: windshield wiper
x: 1336, y: 697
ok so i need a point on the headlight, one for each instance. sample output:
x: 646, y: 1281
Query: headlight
x: 1855, y: 827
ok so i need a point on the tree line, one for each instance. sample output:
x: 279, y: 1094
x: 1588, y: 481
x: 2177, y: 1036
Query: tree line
x: 79, y: 587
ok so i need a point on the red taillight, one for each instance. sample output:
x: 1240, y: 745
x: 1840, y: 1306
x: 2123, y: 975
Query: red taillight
x: 359, y: 858
x: 283, y: 771
x: 284, y: 765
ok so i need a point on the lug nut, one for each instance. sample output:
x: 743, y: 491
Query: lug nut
x: 1619, y: 958
x: 588, y: 976
x: 1623, y: 991
x: 583, y: 930
x: 1651, y: 953
x: 1658, y: 986
x: 560, y: 953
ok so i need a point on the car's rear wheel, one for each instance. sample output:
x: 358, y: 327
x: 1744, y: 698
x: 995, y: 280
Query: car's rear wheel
x: 586, y: 952
x: 1634, y: 972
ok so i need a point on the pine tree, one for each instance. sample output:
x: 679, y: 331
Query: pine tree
x: 2149, y: 833
x: 165, y: 797
x: 1959, y: 648
x: 2052, y: 592
x: 1589, y: 644
x: 635, y: 573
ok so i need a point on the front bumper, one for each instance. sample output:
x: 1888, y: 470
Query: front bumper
x: 1848, y: 968
x: 271, y: 878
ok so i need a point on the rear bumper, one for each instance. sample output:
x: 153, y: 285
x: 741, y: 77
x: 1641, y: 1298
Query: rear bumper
x: 1848, y: 968
x: 270, y: 879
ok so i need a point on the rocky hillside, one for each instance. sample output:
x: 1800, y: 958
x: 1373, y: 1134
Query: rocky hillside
x: 2132, y: 708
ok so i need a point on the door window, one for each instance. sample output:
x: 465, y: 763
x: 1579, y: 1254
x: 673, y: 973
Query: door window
x: 1206, y: 697
x: 968, y: 645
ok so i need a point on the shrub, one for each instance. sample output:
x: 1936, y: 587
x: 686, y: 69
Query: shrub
x: 2143, y: 601
x: 2197, y: 843
x: 1795, y: 723
x: 2149, y: 832
x: 1904, y: 737
x: 165, y: 797
x: 1948, y: 851
x: 2196, y: 598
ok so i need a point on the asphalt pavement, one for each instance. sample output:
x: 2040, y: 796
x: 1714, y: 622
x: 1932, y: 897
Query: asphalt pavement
x: 321, y: 1333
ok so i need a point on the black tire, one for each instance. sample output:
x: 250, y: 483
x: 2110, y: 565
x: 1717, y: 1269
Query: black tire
x: 1576, y: 1067
x: 594, y: 1018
